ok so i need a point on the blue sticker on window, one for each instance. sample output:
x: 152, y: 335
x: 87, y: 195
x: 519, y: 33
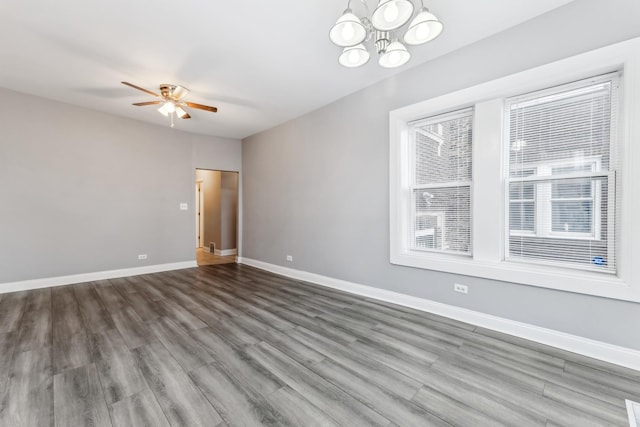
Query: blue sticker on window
x: 598, y: 260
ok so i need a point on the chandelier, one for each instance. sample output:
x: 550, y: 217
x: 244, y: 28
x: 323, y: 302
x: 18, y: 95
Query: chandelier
x: 350, y: 32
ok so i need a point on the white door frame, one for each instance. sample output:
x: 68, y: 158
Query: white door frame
x: 199, y: 214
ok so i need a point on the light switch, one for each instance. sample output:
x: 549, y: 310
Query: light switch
x: 184, y: 206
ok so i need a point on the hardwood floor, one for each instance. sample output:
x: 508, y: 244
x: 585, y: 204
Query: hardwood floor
x: 230, y: 345
x: 207, y: 258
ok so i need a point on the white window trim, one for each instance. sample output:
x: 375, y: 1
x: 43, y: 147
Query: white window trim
x: 488, y: 218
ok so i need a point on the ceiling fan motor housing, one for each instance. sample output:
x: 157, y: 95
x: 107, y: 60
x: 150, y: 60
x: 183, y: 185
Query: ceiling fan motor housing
x: 166, y: 90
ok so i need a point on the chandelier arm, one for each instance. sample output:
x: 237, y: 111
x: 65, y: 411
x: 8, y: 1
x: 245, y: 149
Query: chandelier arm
x: 366, y: 22
x: 364, y: 3
x: 366, y: 8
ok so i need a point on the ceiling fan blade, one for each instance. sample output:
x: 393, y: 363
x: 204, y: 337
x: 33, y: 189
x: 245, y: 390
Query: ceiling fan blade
x: 142, y: 104
x: 186, y: 116
x: 139, y: 88
x: 179, y: 92
x: 201, y: 107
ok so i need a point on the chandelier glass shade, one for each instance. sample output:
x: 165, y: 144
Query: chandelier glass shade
x: 395, y: 55
x: 352, y: 33
x: 391, y: 14
x: 424, y: 28
x: 348, y: 30
x: 354, y: 56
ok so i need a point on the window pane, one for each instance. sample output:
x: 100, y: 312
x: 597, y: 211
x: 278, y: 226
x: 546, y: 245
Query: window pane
x: 566, y: 252
x: 522, y: 191
x: 579, y: 166
x: 521, y: 173
x: 572, y: 189
x: 522, y: 216
x: 443, y: 219
x: 572, y: 216
x: 443, y: 150
x: 442, y: 158
x: 560, y: 132
x: 569, y: 125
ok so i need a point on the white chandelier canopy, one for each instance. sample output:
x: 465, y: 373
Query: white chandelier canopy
x: 351, y: 32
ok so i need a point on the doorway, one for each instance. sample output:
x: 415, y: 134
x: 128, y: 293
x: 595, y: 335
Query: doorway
x: 216, y: 216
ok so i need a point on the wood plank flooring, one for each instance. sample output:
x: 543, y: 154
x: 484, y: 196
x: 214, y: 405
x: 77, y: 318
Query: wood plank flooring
x: 208, y: 258
x: 230, y: 345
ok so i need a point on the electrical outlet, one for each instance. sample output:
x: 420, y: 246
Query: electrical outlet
x: 142, y: 256
x: 463, y: 289
x: 289, y: 258
x: 184, y: 206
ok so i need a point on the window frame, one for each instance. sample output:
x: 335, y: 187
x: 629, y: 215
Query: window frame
x: 596, y: 202
x: 488, y: 204
x: 437, y: 119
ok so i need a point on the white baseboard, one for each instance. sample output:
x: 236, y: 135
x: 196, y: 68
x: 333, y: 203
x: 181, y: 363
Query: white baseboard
x: 633, y: 410
x: 622, y: 356
x: 90, y: 277
x: 225, y: 252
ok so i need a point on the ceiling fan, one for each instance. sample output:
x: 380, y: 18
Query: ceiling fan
x: 171, y: 101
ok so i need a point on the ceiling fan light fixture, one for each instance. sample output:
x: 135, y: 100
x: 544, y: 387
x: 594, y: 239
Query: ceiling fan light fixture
x: 424, y: 28
x: 167, y: 108
x: 163, y: 110
x: 395, y: 55
x: 178, y: 92
x: 180, y: 112
x: 348, y: 30
x: 391, y: 14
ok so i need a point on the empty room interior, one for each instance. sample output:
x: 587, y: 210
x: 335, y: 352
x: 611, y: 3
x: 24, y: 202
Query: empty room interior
x: 328, y: 213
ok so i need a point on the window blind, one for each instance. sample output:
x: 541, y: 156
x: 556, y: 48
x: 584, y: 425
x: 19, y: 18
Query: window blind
x: 561, y: 205
x: 441, y: 183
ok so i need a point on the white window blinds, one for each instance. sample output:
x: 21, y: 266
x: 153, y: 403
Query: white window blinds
x: 561, y: 206
x: 441, y: 183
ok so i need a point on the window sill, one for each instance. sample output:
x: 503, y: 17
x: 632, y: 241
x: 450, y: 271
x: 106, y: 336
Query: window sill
x: 583, y: 282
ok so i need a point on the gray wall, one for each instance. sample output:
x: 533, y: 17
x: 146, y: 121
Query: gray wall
x: 83, y: 191
x: 229, y: 209
x: 323, y: 195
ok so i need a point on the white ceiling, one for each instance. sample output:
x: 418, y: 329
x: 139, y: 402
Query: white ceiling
x: 260, y: 62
